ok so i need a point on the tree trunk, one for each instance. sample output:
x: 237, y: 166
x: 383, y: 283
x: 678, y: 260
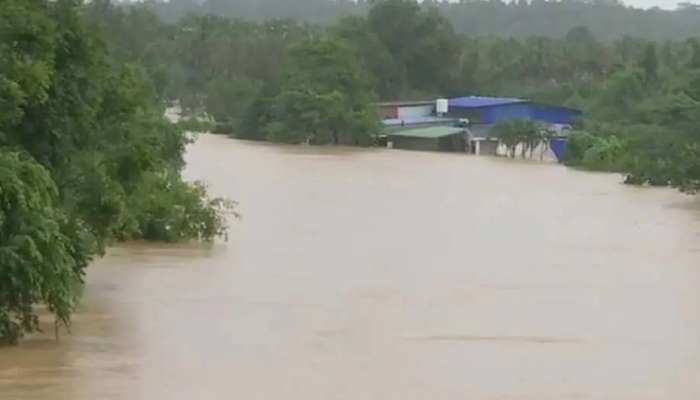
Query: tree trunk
x: 545, y: 144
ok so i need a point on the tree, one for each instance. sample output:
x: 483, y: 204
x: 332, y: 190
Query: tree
x: 650, y: 63
x: 86, y: 158
x: 228, y: 100
x: 620, y: 94
x: 324, y: 97
x: 694, y: 45
x: 424, y: 49
x: 475, y: 18
x: 374, y: 55
x: 42, y: 257
x: 520, y: 132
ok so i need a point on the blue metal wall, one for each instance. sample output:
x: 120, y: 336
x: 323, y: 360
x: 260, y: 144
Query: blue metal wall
x: 553, y: 114
x: 559, y: 147
x: 530, y: 111
x: 506, y: 112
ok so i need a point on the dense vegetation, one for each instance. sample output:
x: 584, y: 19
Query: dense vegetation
x: 502, y: 18
x: 86, y: 158
x: 284, y: 80
x: 323, y: 97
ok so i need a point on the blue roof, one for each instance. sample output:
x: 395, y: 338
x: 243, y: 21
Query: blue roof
x: 478, y: 101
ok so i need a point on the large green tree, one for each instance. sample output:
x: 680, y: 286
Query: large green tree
x: 42, y: 252
x: 86, y: 158
x: 324, y: 97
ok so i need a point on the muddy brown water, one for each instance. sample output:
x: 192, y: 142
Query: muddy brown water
x: 380, y: 274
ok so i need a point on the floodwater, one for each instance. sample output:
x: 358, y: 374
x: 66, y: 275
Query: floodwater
x: 385, y: 274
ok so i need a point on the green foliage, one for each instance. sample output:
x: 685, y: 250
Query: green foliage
x: 229, y: 100
x: 605, y: 154
x: 598, y: 56
x: 528, y: 134
x: 650, y: 63
x: 619, y: 95
x: 654, y: 156
x: 224, y: 129
x: 579, y: 144
x: 168, y: 209
x: 196, y: 125
x: 423, y: 49
x: 324, y: 97
x: 86, y: 158
x: 645, y: 128
x: 42, y: 252
x: 609, y: 20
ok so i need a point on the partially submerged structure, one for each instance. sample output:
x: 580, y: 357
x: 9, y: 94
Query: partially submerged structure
x: 406, y: 109
x: 474, y: 116
x: 434, y: 138
x: 492, y: 110
x: 401, y: 115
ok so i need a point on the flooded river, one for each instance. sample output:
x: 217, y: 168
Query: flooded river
x: 380, y: 274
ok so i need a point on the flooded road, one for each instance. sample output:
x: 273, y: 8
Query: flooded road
x: 379, y: 274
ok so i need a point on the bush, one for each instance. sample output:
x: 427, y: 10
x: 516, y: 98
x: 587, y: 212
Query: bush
x: 170, y: 210
x: 43, y: 252
x: 606, y: 154
x: 223, y: 129
x: 196, y: 125
x: 579, y: 143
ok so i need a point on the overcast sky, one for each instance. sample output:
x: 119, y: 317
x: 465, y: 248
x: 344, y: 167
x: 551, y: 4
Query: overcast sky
x: 666, y: 4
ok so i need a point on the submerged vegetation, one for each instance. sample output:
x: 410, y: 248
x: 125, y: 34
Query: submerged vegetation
x: 529, y: 135
x: 86, y: 158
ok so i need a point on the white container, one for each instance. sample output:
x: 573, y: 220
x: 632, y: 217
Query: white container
x: 441, y: 106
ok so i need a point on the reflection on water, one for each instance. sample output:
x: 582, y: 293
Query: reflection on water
x: 373, y: 274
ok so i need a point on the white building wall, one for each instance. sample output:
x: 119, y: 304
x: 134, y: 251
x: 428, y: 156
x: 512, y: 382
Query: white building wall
x: 415, y: 111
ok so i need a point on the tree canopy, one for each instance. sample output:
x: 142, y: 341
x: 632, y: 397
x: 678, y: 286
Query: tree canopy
x: 86, y: 158
x: 632, y: 72
x: 609, y: 19
x: 324, y: 97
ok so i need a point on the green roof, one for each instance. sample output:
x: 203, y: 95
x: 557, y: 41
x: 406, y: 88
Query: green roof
x: 432, y: 132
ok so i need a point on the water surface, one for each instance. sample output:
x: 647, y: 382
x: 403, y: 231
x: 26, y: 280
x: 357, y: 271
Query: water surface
x: 380, y: 274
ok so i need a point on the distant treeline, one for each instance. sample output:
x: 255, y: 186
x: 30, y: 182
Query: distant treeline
x: 297, y: 82
x: 408, y: 51
x: 517, y: 18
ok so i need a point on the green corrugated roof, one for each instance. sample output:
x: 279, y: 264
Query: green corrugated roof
x: 431, y: 132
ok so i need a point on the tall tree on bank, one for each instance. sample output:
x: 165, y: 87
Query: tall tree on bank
x: 86, y: 158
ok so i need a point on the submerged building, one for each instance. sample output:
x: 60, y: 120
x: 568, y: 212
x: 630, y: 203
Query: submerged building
x: 492, y: 110
x: 402, y: 115
x: 483, y: 113
x: 433, y: 138
x: 475, y: 116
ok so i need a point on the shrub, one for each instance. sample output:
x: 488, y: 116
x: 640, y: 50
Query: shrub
x: 196, y: 125
x: 170, y: 210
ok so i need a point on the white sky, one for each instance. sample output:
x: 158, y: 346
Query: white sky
x: 665, y: 4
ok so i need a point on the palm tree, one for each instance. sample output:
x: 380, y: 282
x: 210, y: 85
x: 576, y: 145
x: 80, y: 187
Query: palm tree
x: 529, y: 134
